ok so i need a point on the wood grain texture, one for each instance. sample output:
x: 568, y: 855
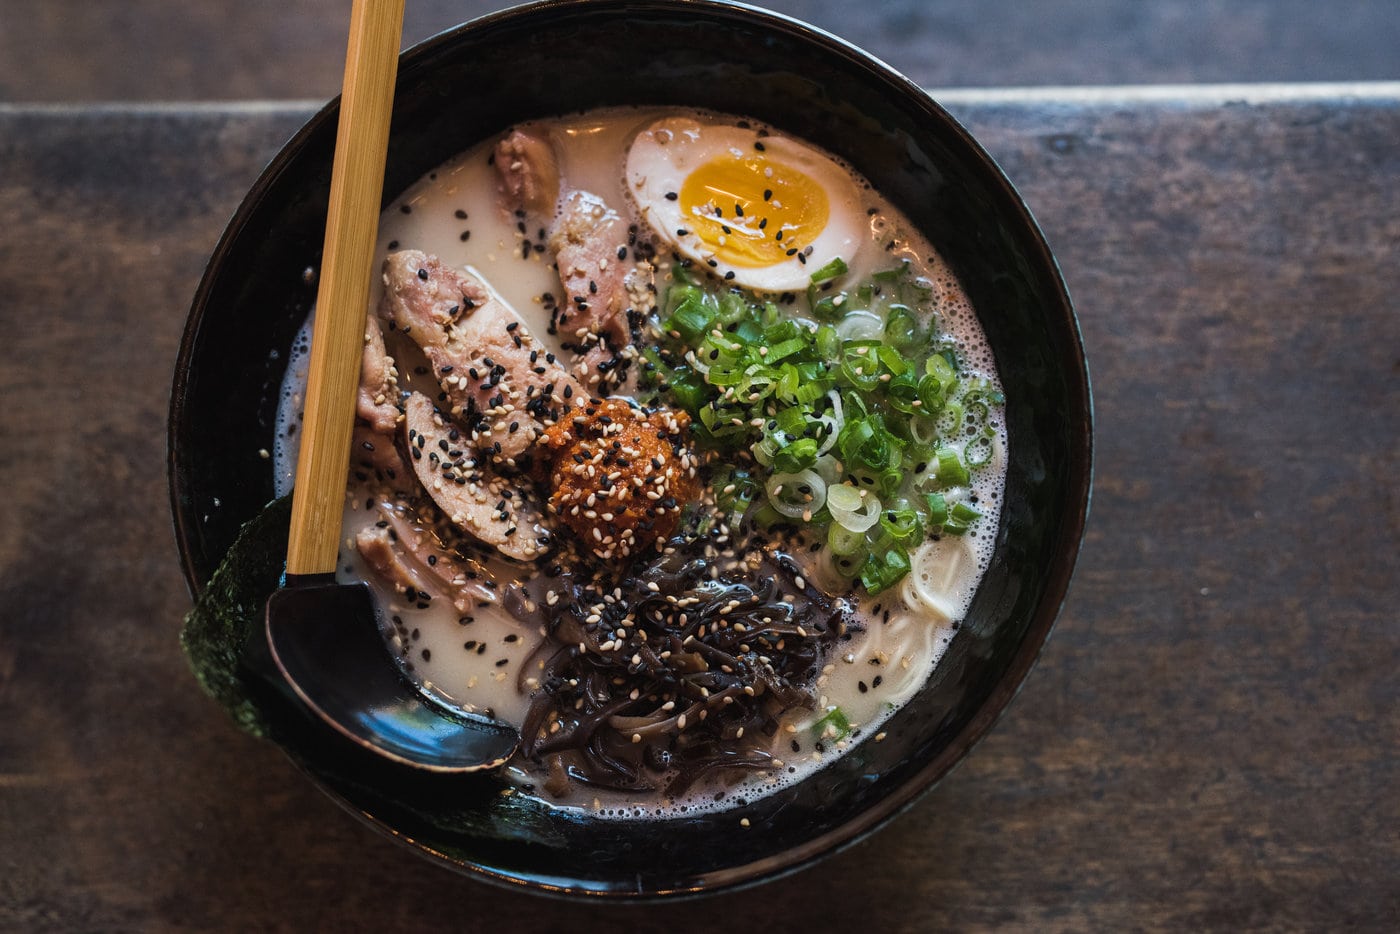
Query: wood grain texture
x: 352, y: 223
x: 216, y: 50
x: 1208, y: 741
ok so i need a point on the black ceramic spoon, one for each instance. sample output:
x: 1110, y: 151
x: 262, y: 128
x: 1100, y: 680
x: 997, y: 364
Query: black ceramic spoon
x: 324, y: 637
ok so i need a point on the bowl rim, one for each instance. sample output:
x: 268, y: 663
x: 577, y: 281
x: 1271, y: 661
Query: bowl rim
x: 1079, y: 471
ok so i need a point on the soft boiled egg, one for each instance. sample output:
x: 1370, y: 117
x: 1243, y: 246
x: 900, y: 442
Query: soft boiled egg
x: 760, y: 210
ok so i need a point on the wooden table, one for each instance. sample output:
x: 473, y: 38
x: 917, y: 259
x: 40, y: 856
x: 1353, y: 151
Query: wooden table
x: 1211, y: 737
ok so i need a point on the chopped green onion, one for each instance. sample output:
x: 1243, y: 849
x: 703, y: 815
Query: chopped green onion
x: 937, y: 510
x: 880, y: 572
x: 962, y: 512
x: 829, y: 307
x: 799, y: 455
x: 837, y: 267
x: 796, y: 495
x: 960, y: 518
x: 845, y: 542
x: 734, y: 491
x: 860, y: 365
x: 853, y: 509
x: 901, y: 327
x: 861, y: 326
x: 834, y: 725
x: 849, y: 423
x: 689, y: 389
x: 978, y: 451
x: 950, y: 470
x: 903, y: 392
x: 903, y: 526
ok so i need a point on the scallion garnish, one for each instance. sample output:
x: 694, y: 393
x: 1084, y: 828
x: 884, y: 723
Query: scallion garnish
x: 833, y: 725
x: 837, y: 267
x: 860, y: 426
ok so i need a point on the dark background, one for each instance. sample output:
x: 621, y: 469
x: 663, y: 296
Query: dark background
x: 83, y: 50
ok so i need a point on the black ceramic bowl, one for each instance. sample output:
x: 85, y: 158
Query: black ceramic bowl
x: 473, y: 82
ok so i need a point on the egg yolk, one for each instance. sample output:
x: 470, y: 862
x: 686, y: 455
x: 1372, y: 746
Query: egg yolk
x: 752, y: 211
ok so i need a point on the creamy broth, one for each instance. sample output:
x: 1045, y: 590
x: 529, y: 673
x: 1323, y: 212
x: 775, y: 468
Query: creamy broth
x: 474, y: 660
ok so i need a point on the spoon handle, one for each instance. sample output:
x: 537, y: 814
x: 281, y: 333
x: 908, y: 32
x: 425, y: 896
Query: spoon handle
x: 357, y: 183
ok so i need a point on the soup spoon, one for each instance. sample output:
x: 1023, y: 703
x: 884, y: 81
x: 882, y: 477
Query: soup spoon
x: 324, y: 637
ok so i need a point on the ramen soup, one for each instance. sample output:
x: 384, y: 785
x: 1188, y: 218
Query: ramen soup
x: 676, y: 447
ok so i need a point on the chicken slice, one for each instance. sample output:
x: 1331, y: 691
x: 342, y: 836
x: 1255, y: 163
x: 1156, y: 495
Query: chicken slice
x: 472, y: 496
x: 595, y: 320
x: 377, y: 400
x: 502, y: 383
x: 412, y: 558
x: 528, y: 171
x: 375, y: 460
x: 593, y: 251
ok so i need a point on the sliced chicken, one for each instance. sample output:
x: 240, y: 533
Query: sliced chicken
x: 597, y: 318
x: 467, y: 490
x: 377, y: 402
x: 590, y: 244
x: 587, y: 238
x: 412, y: 558
x: 375, y: 460
x: 504, y: 386
x: 528, y: 171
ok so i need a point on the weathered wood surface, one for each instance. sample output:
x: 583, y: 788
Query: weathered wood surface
x: 1212, y: 735
x: 254, y: 49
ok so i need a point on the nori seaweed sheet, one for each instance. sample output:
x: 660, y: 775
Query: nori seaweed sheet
x: 231, y: 606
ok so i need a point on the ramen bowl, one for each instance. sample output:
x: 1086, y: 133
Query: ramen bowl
x: 553, y: 58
